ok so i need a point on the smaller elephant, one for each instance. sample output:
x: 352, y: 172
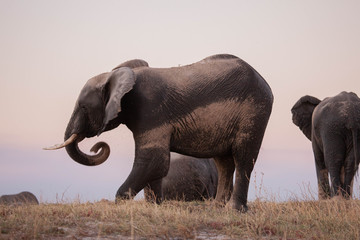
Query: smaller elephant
x: 188, y: 179
x: 332, y: 125
x: 22, y: 198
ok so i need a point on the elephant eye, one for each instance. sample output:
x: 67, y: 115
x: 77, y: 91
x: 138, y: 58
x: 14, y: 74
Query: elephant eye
x: 83, y: 108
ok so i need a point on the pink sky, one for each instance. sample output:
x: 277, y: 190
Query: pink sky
x: 49, y: 49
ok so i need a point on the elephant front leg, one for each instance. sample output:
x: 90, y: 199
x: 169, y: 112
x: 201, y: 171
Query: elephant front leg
x: 150, y: 166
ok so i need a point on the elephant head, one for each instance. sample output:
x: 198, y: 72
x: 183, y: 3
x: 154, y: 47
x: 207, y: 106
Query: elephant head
x: 302, y: 113
x: 96, y: 111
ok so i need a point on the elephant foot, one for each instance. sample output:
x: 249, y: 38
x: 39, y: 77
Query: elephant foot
x: 338, y: 198
x: 127, y: 195
x: 152, y: 198
x: 242, y: 208
x: 120, y: 200
x: 219, y: 204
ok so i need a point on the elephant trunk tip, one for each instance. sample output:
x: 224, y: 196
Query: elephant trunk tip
x: 101, y: 145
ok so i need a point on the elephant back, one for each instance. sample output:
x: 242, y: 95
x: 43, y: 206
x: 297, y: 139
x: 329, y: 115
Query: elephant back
x: 23, y: 198
x: 190, y: 179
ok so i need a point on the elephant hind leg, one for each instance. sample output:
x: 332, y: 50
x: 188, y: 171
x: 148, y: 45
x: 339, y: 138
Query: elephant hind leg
x: 321, y: 173
x: 244, y: 164
x: 225, y: 167
x: 245, y: 150
x: 336, y: 186
x: 335, y: 157
x: 347, y: 175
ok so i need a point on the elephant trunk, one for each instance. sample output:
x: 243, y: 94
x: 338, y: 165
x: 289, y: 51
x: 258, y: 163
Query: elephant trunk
x: 89, y: 160
x: 73, y: 135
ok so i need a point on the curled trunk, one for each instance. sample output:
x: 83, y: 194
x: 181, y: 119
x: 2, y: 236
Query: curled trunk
x: 89, y: 160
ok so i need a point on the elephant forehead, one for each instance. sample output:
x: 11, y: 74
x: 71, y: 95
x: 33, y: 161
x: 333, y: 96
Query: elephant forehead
x: 90, y: 92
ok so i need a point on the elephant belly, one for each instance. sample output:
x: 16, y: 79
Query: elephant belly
x: 211, y: 130
x: 200, y: 144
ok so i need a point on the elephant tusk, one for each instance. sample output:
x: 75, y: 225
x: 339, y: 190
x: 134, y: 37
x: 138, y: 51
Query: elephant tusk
x: 71, y: 139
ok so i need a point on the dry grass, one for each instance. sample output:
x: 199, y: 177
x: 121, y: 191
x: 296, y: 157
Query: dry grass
x: 180, y: 220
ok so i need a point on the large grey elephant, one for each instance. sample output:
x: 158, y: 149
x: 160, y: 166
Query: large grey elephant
x: 188, y: 179
x: 19, y: 199
x: 216, y: 108
x: 332, y: 125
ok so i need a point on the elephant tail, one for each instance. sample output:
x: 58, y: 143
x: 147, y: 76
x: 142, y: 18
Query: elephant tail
x: 356, y: 148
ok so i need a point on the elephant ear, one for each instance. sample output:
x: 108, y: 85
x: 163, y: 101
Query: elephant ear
x: 120, y: 82
x: 135, y: 63
x: 302, y: 113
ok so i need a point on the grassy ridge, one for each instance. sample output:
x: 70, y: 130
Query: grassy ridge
x: 331, y: 219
